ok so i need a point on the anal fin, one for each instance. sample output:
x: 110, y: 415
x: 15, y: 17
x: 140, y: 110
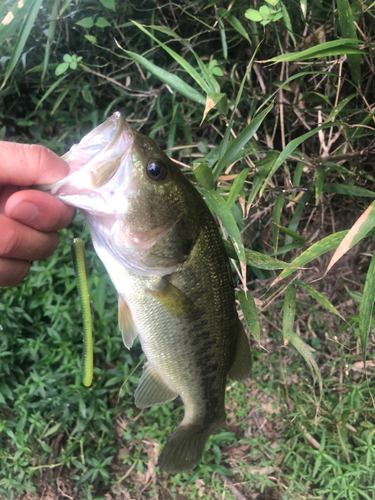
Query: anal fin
x: 241, y: 367
x: 125, y: 323
x: 152, y: 390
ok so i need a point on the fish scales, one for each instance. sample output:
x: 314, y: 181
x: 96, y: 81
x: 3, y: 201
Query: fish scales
x: 163, y: 252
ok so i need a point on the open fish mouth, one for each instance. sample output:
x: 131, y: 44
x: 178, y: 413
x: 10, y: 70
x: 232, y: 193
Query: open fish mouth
x: 100, y: 168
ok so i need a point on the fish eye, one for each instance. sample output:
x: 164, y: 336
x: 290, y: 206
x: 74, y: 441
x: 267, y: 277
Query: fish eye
x: 156, y: 170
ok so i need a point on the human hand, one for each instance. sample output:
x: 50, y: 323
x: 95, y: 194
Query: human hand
x: 29, y: 219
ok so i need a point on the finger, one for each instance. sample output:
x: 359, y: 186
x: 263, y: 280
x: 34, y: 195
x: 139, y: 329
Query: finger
x: 25, y: 164
x: 18, y: 241
x: 39, y: 210
x: 13, y: 271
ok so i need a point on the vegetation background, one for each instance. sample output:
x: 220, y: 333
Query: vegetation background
x: 285, y: 160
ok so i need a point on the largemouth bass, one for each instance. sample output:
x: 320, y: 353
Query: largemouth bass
x: 164, y: 254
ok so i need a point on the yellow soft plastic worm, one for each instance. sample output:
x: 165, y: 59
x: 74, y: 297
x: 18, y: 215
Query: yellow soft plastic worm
x: 79, y: 261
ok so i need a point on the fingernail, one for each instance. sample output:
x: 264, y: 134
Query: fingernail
x: 25, y: 211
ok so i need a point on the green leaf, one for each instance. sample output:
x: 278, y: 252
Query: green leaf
x: 61, y: 68
x: 11, y: 17
x: 22, y: 38
x: 289, y: 312
x: 334, y: 48
x: 256, y: 259
x: 109, y: 4
x: 319, y: 297
x: 348, y: 30
x: 293, y: 235
x: 50, y: 36
x: 295, y: 220
x: 250, y: 313
x: 102, y: 22
x: 86, y: 22
x: 366, y: 307
x: 319, y: 248
x: 264, y: 167
x: 51, y: 89
x: 237, y: 144
x: 336, y: 110
x: 348, y: 190
x: 319, y: 181
x: 220, y: 208
x: 216, y: 99
x: 238, y: 184
x: 253, y: 15
x: 181, y: 60
x: 203, y: 174
x: 276, y: 215
x: 90, y: 38
x: 264, y: 11
x: 234, y: 22
x: 287, y: 22
x: 165, y: 76
x: 304, y: 350
x: 67, y: 58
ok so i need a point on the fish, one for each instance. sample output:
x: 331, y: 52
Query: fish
x: 164, y: 254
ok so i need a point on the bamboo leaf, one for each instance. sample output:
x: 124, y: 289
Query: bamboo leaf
x: 237, y: 144
x: 348, y: 30
x: 216, y: 99
x: 276, y: 215
x: 304, y: 350
x: 172, y: 80
x: 348, y: 190
x: 319, y: 248
x: 292, y: 234
x: 289, y: 312
x: 203, y: 174
x: 234, y: 22
x: 319, y: 298
x: 256, y: 259
x: 22, y: 38
x: 296, y: 218
x: 333, y: 48
x: 11, y: 17
x: 336, y: 110
x: 356, y: 233
x: 319, y: 181
x: 250, y: 313
x: 366, y: 307
x: 238, y: 184
x: 220, y: 208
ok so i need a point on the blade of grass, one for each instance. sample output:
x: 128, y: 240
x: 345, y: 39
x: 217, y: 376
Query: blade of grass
x: 276, y: 215
x: 319, y: 297
x: 256, y: 259
x: 348, y: 190
x: 348, y: 30
x: 238, y: 184
x: 289, y: 312
x: 22, y: 38
x: 50, y: 36
x: 366, y: 307
x: 305, y: 352
x: 250, y: 313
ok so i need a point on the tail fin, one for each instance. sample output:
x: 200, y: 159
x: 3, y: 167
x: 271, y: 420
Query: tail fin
x: 184, y: 449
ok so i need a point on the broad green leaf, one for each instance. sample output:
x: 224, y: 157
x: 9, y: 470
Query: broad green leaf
x: 290, y: 148
x: 319, y: 297
x: 276, y: 215
x: 319, y: 248
x: 238, y: 184
x: 319, y: 181
x: 250, y: 313
x: 304, y: 350
x: 334, y: 48
x: 289, y: 312
x: 203, y: 174
x: 61, y: 68
x: 109, y: 4
x: 348, y: 30
x: 348, y: 190
x: 165, y: 76
x: 253, y: 15
x: 256, y: 259
x: 366, y: 307
x: 220, y: 208
x: 293, y: 235
x: 102, y: 22
x: 86, y: 22
x: 181, y: 60
x: 91, y: 38
x: 237, y: 144
x: 234, y: 22
x: 357, y: 232
x: 22, y: 38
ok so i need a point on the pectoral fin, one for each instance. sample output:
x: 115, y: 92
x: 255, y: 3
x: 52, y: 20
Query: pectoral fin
x: 241, y: 367
x: 152, y: 390
x: 125, y: 323
x: 173, y: 300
